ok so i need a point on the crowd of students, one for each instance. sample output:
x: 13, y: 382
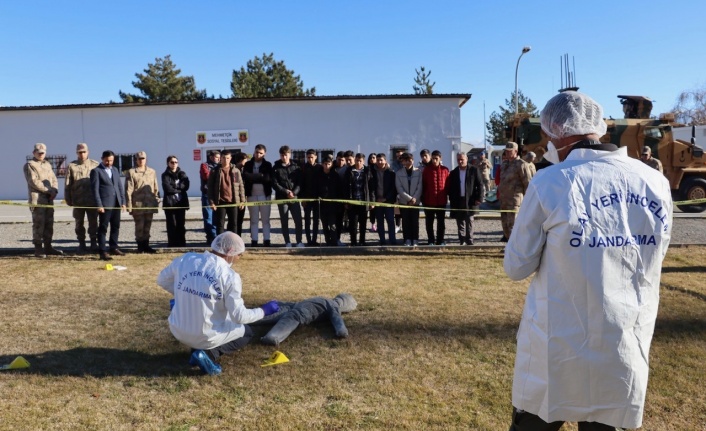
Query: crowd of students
x: 340, y: 193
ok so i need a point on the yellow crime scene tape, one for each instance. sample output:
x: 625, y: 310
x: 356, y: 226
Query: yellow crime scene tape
x: 291, y: 201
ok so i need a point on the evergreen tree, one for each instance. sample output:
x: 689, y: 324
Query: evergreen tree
x: 162, y: 82
x: 499, y: 120
x: 422, y: 84
x: 265, y: 77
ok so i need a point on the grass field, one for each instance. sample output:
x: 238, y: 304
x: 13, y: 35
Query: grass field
x: 431, y: 348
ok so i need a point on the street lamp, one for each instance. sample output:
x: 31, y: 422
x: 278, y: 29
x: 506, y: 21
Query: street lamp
x: 525, y: 50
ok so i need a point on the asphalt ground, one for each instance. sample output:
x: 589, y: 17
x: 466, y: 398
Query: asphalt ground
x: 16, y: 231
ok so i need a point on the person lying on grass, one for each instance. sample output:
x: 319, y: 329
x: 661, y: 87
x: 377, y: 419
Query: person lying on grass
x: 311, y: 310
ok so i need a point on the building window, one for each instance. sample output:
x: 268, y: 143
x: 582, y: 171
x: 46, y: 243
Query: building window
x: 323, y: 153
x: 393, y: 149
x: 124, y: 162
x: 58, y: 163
x: 299, y: 156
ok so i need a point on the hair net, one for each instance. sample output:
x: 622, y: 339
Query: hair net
x: 572, y: 114
x: 228, y: 244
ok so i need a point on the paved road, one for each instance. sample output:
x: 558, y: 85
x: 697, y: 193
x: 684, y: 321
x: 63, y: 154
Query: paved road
x: 16, y: 229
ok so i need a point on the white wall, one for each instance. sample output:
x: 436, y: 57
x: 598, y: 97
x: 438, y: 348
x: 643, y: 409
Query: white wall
x: 364, y: 125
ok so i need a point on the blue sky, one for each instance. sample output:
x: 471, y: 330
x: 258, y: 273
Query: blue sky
x: 74, y: 52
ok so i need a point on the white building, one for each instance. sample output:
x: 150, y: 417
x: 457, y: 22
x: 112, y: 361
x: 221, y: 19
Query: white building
x: 327, y: 124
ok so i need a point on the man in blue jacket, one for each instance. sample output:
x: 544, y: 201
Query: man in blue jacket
x: 110, y: 200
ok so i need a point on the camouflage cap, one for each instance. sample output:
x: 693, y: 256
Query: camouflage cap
x: 40, y: 148
x: 511, y: 146
x: 140, y: 155
x: 646, y: 150
x: 81, y: 147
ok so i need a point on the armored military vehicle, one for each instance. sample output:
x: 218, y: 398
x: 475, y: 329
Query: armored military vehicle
x: 683, y: 161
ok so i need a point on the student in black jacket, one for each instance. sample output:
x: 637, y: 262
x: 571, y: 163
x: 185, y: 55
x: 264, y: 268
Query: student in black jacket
x: 287, y: 182
x: 358, y: 188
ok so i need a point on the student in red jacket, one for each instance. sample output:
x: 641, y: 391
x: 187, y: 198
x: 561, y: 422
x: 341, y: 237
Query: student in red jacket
x: 434, y: 196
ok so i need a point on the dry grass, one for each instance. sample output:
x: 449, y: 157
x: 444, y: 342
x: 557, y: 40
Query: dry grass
x: 431, y: 347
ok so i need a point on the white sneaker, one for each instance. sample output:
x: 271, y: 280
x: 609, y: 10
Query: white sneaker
x: 288, y: 245
x: 415, y: 243
x: 398, y: 229
x: 300, y: 245
x: 408, y: 243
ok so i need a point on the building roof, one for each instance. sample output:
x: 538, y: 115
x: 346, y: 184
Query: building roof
x: 464, y: 98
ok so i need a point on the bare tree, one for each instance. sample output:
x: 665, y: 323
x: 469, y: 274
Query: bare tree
x: 691, y: 106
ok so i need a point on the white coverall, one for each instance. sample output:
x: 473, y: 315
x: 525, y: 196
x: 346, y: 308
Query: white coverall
x: 595, y: 228
x: 208, y: 310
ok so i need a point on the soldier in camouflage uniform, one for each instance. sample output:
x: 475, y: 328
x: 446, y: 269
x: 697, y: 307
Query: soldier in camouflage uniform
x: 484, y: 167
x: 42, y: 187
x: 77, y: 194
x: 651, y: 161
x: 514, y: 179
x: 141, y: 190
x: 530, y: 158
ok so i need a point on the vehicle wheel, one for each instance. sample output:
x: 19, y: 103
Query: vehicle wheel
x: 693, y: 188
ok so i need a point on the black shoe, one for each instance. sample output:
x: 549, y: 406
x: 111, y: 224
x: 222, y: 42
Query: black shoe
x: 105, y: 256
x: 267, y: 243
x: 253, y: 243
x: 147, y: 249
x: 503, y: 239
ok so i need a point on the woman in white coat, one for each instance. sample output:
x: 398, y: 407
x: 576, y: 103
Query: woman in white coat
x: 595, y: 229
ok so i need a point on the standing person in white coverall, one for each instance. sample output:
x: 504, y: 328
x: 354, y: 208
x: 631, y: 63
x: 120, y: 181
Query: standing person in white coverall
x: 595, y: 228
x: 209, y: 314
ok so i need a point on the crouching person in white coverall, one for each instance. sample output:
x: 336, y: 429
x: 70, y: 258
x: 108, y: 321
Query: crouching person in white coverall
x: 208, y: 313
x: 595, y: 228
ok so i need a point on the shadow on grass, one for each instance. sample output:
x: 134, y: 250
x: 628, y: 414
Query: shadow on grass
x: 697, y: 295
x: 678, y: 269
x: 105, y: 362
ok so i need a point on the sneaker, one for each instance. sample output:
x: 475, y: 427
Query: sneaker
x: 288, y: 245
x: 442, y: 244
x: 203, y: 361
x: 408, y: 243
x: 373, y: 228
x: 398, y: 229
x: 341, y: 243
x: 300, y: 245
x: 415, y: 243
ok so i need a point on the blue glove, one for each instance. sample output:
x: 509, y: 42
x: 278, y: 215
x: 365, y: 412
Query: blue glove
x: 270, y: 308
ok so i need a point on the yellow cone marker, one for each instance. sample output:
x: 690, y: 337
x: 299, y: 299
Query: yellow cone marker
x: 108, y: 267
x: 18, y: 363
x: 276, y: 358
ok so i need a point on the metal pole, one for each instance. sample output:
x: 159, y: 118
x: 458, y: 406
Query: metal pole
x: 525, y: 50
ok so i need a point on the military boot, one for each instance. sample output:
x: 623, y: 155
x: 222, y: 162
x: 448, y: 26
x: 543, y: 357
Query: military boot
x: 94, y: 245
x: 82, y: 249
x: 146, y: 247
x: 51, y: 251
x: 39, y: 250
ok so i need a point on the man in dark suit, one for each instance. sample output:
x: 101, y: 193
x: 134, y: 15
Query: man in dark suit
x: 465, y: 191
x: 110, y: 200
